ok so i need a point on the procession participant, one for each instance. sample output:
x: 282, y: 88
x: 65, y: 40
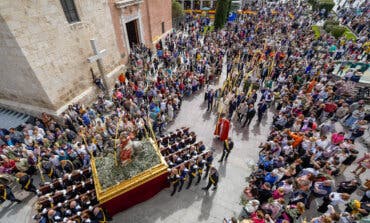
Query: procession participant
x: 262, y: 107
x: 193, y: 168
x: 212, y: 179
x: 100, y: 216
x: 209, y: 98
x: 209, y: 160
x: 200, y: 163
x: 6, y: 193
x: 26, y: 182
x: 183, y: 173
x: 228, y: 146
x: 174, y: 180
x: 222, y: 128
x: 250, y: 112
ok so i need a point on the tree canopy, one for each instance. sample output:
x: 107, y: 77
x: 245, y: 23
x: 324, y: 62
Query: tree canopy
x: 222, y: 13
x: 177, y: 10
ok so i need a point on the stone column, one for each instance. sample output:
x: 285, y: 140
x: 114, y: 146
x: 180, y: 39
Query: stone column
x: 192, y: 4
x: 211, y: 4
x: 183, y: 4
x: 141, y: 34
x: 201, y: 4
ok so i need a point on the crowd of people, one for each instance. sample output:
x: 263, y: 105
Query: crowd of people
x: 355, y: 16
x: 277, y: 64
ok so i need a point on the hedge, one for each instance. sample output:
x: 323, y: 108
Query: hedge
x: 338, y: 31
x: 333, y: 27
x: 326, y: 4
x: 328, y: 24
x: 349, y: 35
x: 320, y: 4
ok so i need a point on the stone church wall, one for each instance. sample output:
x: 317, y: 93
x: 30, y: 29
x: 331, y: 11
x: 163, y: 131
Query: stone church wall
x: 52, y: 54
x: 18, y: 82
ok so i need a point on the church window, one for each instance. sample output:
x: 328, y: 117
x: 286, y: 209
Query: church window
x: 70, y: 10
x: 163, y: 27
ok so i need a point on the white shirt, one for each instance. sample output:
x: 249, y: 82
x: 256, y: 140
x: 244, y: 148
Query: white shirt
x: 322, y: 143
x: 336, y: 198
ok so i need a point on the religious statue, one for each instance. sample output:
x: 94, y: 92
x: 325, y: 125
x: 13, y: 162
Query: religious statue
x: 126, y: 149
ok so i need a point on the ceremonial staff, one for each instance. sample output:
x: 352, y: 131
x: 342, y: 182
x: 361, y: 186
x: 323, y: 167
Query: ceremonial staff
x: 254, y: 59
x: 86, y: 145
x: 39, y: 167
x: 115, y: 141
x: 145, y: 131
x: 149, y: 124
x: 152, y: 131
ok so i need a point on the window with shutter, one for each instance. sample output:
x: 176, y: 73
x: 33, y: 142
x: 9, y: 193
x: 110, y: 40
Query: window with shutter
x: 70, y: 10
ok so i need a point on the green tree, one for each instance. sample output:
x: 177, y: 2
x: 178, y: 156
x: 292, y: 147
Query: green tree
x: 328, y: 5
x: 222, y: 12
x: 177, y: 10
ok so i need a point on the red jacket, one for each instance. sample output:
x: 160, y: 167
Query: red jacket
x: 330, y: 107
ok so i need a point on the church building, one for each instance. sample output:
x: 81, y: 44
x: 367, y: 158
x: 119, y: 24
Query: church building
x: 50, y: 49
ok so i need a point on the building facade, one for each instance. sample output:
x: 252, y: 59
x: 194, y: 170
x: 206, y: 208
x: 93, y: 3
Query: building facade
x: 205, y: 4
x: 198, y: 4
x: 45, y: 46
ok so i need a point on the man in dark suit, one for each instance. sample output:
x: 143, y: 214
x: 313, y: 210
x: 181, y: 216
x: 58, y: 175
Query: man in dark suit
x: 210, y: 96
x: 251, y: 112
x: 262, y: 107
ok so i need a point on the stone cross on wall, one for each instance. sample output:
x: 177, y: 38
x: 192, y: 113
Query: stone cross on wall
x: 98, y: 56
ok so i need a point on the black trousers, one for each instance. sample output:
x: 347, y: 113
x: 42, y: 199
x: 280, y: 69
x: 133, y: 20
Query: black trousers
x: 10, y: 197
x: 260, y: 115
x: 208, y: 167
x: 181, y: 184
x: 175, y: 185
x: 324, y: 206
x: 224, y: 152
x: 248, y: 120
x: 210, y: 184
x: 191, y: 177
x: 200, y: 172
x: 31, y: 188
x: 240, y: 116
x: 210, y: 106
